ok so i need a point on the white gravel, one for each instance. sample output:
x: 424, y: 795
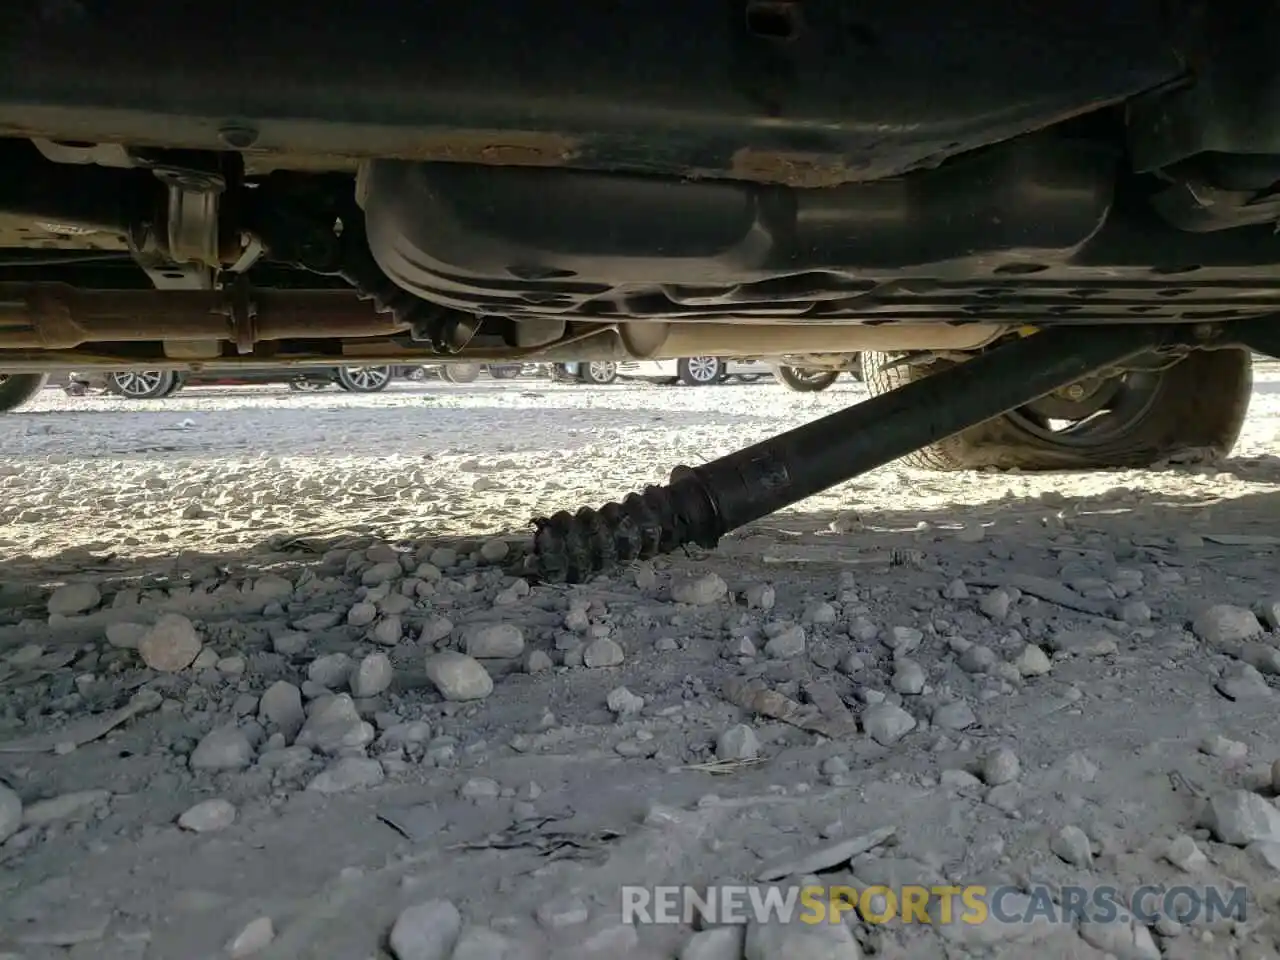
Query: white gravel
x: 240, y: 717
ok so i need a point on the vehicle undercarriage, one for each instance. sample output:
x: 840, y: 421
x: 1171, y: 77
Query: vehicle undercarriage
x: 1078, y: 199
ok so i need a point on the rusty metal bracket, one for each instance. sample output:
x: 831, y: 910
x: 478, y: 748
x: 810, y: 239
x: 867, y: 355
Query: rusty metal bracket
x: 243, y: 312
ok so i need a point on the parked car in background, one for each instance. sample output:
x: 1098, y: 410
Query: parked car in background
x: 810, y: 375
x: 158, y: 384
x: 693, y: 371
x: 599, y: 373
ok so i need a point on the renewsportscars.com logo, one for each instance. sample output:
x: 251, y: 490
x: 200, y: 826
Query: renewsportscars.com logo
x: 945, y: 905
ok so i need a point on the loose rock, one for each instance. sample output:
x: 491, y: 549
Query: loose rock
x: 281, y: 707
x: 602, y: 653
x: 1033, y: 662
x: 333, y: 726
x: 223, y: 748
x: 623, y: 702
x: 1072, y: 846
x: 458, y: 676
x: 790, y: 642
x: 887, y: 724
x: 255, y: 937
x: 1223, y: 624
x: 208, y: 816
x: 372, y: 676
x: 427, y: 931
x: 494, y: 641
x: 348, y: 773
x: 1000, y: 766
x: 1241, y: 817
x: 171, y: 645
x: 739, y: 742
x: 72, y: 598
x: 908, y: 677
x: 700, y: 591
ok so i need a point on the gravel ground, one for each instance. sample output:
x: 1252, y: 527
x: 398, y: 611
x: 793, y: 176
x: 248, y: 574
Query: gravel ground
x: 271, y: 689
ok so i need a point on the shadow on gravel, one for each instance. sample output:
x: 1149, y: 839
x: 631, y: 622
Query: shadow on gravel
x: 1123, y: 522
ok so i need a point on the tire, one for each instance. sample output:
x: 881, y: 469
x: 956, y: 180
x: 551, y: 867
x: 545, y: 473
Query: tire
x: 179, y: 381
x: 504, y: 371
x: 599, y: 373
x: 363, y: 379
x: 142, y: 384
x: 1192, y: 411
x: 460, y: 372
x: 748, y: 377
x: 700, y: 371
x: 17, y: 388
x: 805, y: 379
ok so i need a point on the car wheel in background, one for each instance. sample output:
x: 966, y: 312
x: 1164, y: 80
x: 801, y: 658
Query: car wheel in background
x: 460, y: 372
x: 142, y: 384
x: 17, y: 388
x: 599, y: 372
x: 805, y: 379
x: 363, y: 379
x: 700, y: 371
x: 504, y: 371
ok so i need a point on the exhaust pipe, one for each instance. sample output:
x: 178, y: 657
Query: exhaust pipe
x: 57, y: 316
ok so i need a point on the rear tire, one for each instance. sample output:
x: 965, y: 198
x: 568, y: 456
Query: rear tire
x: 17, y: 388
x: 363, y: 379
x: 1191, y: 412
x: 700, y: 371
x: 805, y: 379
x: 142, y: 384
x: 504, y: 371
x: 460, y: 372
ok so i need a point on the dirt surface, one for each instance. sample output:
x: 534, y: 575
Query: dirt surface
x: 229, y: 622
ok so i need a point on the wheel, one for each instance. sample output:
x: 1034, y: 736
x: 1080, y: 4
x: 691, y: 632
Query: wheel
x: 142, y: 384
x: 363, y: 379
x: 1192, y: 410
x: 460, y: 372
x: 504, y: 371
x: 599, y: 372
x: 416, y: 374
x: 748, y: 377
x: 179, y: 381
x: 700, y: 371
x: 805, y: 379
x: 17, y: 388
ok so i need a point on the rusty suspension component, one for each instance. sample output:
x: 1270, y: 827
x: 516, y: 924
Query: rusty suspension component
x: 703, y: 503
x: 55, y: 316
